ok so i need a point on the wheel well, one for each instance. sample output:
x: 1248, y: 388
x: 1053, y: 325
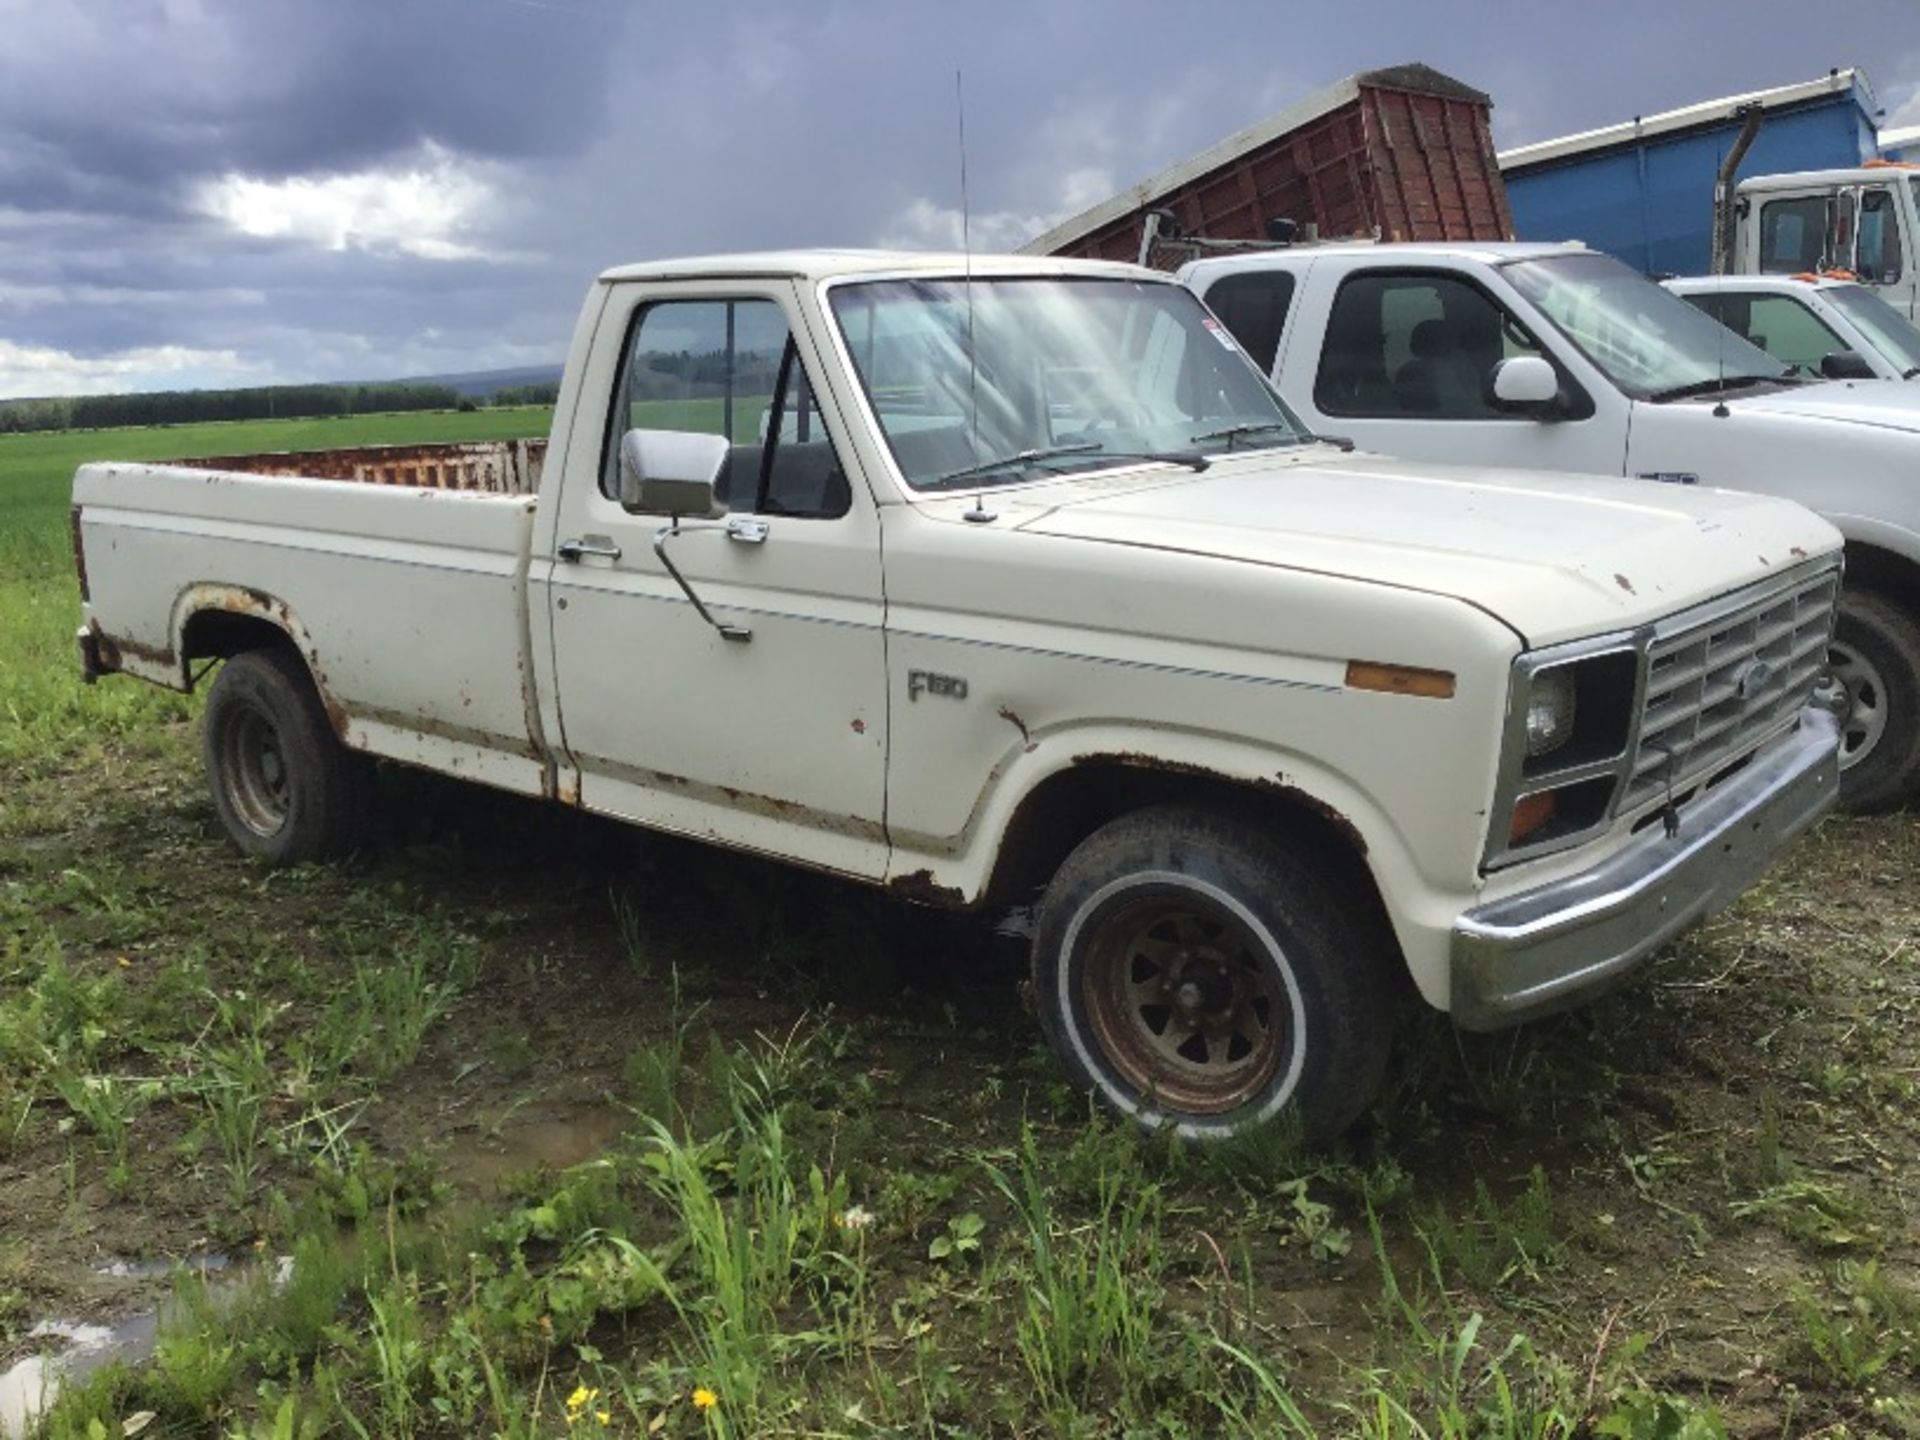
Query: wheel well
x: 223, y: 634
x: 1885, y: 573
x: 1070, y: 805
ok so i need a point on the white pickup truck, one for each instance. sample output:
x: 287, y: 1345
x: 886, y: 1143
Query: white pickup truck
x: 1823, y: 326
x: 982, y: 582
x: 1557, y: 358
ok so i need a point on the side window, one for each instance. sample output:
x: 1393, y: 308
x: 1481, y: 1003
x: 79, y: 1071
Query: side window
x: 730, y: 368
x: 1877, y: 257
x: 1789, y: 331
x: 1415, y: 345
x: 1793, y: 235
x: 1253, y: 307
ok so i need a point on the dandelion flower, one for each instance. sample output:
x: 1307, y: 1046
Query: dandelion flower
x: 703, y: 1398
x: 856, y: 1218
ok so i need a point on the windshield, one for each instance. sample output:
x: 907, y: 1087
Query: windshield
x: 1650, y: 343
x: 1050, y: 375
x: 1892, y: 334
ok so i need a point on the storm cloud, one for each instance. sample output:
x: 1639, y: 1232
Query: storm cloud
x: 238, y: 191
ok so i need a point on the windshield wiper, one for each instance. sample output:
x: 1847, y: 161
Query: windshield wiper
x: 1260, y: 427
x: 1719, y: 382
x: 1909, y: 374
x: 1188, y: 458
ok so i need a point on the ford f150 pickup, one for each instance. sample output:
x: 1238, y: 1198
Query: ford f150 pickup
x: 1555, y: 357
x: 993, y: 578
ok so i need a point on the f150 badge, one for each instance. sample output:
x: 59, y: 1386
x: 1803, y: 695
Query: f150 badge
x: 948, y: 687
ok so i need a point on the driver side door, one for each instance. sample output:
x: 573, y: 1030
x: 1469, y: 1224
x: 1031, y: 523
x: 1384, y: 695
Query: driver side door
x: 776, y: 741
x: 1405, y: 368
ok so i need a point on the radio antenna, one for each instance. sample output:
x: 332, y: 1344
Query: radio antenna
x: 966, y: 248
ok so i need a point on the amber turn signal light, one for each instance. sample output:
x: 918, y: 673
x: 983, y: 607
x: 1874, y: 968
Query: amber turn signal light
x: 1530, y: 814
x: 1400, y: 679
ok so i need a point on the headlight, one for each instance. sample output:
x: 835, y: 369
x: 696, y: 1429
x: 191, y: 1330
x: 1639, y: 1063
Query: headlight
x: 1550, y: 711
x: 1569, y: 719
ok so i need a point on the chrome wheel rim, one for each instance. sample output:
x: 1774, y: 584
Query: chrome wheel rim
x: 1866, y: 718
x: 253, y: 770
x: 1185, y: 1003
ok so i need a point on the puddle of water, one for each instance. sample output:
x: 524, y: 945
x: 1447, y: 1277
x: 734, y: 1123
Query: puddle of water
x: 121, y: 1269
x: 534, y: 1139
x: 28, y: 1388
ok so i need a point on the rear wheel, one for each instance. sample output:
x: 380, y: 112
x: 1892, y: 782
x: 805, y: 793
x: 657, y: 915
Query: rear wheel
x: 1195, y: 971
x: 1876, y: 654
x: 284, y: 787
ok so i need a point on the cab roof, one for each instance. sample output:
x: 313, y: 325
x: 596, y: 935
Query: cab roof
x: 1697, y: 284
x: 809, y: 265
x: 1490, y: 250
x: 1886, y: 172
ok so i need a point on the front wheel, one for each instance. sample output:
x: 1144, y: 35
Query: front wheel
x: 1876, y: 654
x: 1194, y: 971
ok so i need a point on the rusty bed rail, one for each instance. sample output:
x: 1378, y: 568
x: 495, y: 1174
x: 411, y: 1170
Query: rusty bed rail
x: 494, y: 467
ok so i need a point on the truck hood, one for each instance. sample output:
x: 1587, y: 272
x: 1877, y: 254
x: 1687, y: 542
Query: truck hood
x: 1554, y: 556
x: 1888, y: 404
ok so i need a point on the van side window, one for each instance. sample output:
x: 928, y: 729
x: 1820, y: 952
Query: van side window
x: 1414, y: 345
x: 730, y: 368
x: 1253, y: 307
x: 1877, y: 258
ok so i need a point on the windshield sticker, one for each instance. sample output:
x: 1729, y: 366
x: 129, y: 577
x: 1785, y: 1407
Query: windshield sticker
x: 1220, y: 332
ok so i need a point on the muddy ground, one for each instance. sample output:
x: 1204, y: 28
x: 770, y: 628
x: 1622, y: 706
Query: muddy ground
x: 1689, y: 1204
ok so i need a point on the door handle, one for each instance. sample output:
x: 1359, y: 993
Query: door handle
x: 574, y: 550
x: 746, y: 531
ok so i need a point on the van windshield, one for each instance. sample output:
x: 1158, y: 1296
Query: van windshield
x: 1648, y: 341
x: 1028, y: 378
x: 1892, y: 334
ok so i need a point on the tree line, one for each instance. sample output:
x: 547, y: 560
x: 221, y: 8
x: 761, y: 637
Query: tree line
x: 277, y: 402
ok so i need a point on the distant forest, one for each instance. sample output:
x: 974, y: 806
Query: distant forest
x: 277, y: 402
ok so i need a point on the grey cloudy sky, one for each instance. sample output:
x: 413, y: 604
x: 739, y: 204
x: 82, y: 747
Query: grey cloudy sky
x: 211, y: 192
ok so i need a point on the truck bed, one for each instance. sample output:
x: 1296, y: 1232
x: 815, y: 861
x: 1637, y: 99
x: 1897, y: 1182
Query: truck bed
x: 406, y: 588
x: 494, y: 467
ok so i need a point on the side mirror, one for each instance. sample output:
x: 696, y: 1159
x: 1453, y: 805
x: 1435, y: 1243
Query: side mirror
x: 1845, y: 365
x: 670, y: 472
x: 1525, y: 383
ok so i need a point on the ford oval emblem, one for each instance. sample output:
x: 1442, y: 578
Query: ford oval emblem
x: 1753, y: 679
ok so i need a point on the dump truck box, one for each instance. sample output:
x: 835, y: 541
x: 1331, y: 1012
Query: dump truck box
x: 1398, y: 154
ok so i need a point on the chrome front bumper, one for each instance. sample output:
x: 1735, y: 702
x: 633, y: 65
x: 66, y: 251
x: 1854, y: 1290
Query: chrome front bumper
x: 1550, y: 948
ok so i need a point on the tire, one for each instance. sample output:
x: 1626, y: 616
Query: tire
x: 1876, y: 655
x: 286, y: 790
x: 1171, y: 917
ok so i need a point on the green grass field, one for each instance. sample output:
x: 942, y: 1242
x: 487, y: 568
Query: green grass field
x: 564, y: 1130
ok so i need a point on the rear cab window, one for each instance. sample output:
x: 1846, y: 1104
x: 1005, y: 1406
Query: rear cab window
x: 1253, y: 306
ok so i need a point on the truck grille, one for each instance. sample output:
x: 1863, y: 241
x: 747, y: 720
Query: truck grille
x: 1717, y: 686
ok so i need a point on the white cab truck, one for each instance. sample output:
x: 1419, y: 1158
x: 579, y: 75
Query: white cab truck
x: 993, y: 579
x: 1554, y: 357
x: 1864, y: 220
x: 1824, y: 327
